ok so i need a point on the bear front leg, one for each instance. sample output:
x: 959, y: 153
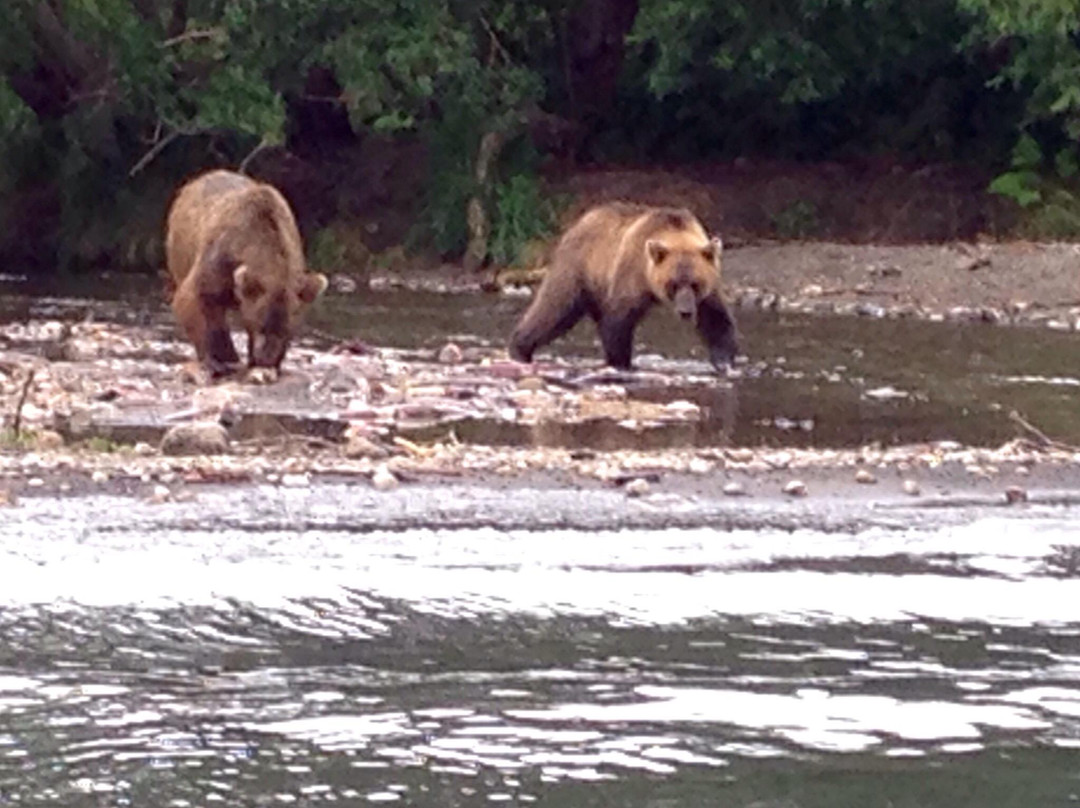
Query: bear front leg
x: 557, y: 307
x: 219, y: 353
x: 617, y: 337
x: 204, y: 323
x: 717, y: 330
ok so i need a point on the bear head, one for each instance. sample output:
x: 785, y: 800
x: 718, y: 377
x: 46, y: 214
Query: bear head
x: 683, y: 268
x: 271, y: 312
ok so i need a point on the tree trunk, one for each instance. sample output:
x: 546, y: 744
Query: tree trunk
x: 178, y: 18
x: 597, y: 36
x: 477, y: 218
x: 65, y: 69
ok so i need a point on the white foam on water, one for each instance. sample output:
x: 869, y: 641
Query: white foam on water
x: 646, y: 577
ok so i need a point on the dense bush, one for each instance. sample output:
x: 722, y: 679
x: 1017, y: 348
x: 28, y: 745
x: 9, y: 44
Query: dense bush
x: 105, y: 104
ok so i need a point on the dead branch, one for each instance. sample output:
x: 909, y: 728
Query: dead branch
x: 154, y: 151
x: 16, y: 421
x: 190, y: 36
x: 1041, y: 438
x: 264, y: 143
x: 496, y: 45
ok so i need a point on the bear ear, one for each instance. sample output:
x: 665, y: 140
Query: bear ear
x: 246, y: 284
x: 656, y: 250
x: 313, y: 285
x: 713, y: 252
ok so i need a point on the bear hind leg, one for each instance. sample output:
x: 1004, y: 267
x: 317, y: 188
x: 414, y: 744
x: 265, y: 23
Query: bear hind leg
x: 556, y: 309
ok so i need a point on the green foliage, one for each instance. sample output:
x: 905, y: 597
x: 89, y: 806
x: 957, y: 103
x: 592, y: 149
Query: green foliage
x: 159, y: 96
x: 805, y: 78
x: 1049, y: 196
x: 1044, y: 53
x: 16, y: 119
x: 1042, y: 42
x: 452, y: 152
x: 1023, y: 183
x: 339, y: 248
x: 797, y: 220
x: 17, y: 132
x: 1057, y: 218
x: 106, y: 104
x: 102, y: 445
x: 326, y: 251
x: 1020, y: 186
x: 16, y: 441
x: 521, y: 214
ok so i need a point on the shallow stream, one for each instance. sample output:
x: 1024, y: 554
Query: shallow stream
x: 808, y: 380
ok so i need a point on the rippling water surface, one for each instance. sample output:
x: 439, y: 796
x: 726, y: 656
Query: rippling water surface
x: 478, y: 667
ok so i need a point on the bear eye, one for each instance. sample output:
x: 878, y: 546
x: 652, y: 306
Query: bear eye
x: 671, y: 288
x: 695, y: 287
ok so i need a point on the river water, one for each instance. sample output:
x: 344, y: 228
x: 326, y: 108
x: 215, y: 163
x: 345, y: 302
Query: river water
x: 147, y: 660
x: 248, y: 649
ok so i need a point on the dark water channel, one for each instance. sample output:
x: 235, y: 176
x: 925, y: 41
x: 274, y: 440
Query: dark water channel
x: 151, y: 658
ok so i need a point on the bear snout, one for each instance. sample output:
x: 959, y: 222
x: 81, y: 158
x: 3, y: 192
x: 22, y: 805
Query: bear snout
x: 685, y: 302
x: 267, y: 350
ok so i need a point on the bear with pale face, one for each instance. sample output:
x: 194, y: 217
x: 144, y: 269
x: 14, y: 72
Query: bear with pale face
x: 614, y: 264
x: 232, y: 245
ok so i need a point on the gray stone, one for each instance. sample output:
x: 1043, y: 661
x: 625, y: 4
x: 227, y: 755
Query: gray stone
x: 795, y: 488
x: 450, y: 354
x: 383, y: 479
x: 358, y: 446
x: 199, y: 438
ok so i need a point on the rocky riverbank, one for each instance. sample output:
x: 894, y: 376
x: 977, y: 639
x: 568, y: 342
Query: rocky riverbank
x: 120, y: 408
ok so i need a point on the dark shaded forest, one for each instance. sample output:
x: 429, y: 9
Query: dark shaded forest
x: 458, y: 128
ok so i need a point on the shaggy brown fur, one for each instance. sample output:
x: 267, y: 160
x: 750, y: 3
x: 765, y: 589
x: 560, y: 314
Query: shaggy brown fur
x: 232, y: 244
x: 614, y: 264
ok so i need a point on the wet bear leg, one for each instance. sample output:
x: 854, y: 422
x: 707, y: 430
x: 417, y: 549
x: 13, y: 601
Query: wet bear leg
x: 717, y: 330
x: 617, y: 337
x: 556, y: 309
x: 206, y: 327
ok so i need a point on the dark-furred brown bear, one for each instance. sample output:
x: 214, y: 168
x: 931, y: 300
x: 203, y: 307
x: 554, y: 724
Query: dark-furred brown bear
x: 617, y: 261
x: 232, y: 245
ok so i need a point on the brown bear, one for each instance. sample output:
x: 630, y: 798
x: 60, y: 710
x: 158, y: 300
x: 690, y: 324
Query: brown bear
x: 232, y: 244
x: 614, y: 263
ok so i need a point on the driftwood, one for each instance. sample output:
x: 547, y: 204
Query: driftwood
x: 16, y: 420
x: 1039, y: 437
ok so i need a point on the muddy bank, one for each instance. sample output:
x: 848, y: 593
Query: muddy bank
x: 1007, y: 283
